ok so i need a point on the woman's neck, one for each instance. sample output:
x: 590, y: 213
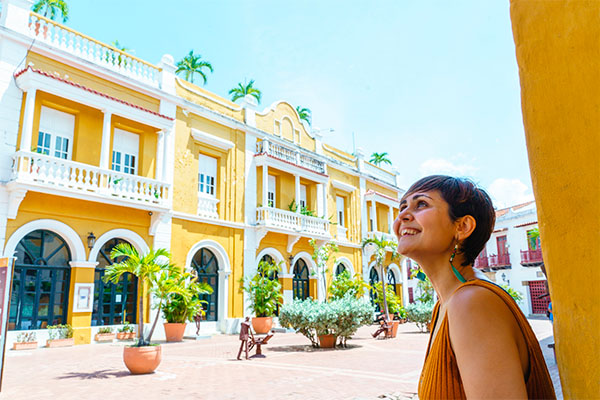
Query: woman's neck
x: 444, y: 281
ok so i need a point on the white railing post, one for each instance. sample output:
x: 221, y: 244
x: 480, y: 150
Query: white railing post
x: 265, y: 186
x: 105, y: 149
x: 297, y: 192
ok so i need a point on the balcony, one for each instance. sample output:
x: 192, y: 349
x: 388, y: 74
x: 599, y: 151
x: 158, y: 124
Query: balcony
x: 531, y: 258
x: 207, y: 206
x: 42, y: 173
x: 380, y: 173
x: 290, y: 221
x: 386, y: 236
x: 481, y: 262
x: 56, y: 35
x: 500, y: 261
x: 291, y: 156
x: 342, y: 233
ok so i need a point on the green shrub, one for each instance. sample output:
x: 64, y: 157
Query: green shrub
x: 516, y: 295
x: 344, y: 284
x: 104, y: 330
x: 393, y: 300
x: 341, y: 317
x: 126, y: 328
x: 64, y: 331
x: 420, y: 313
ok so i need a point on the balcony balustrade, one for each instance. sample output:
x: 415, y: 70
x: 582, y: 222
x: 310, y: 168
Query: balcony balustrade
x: 291, y: 221
x: 291, y: 156
x: 59, y: 36
x: 531, y: 257
x: 380, y: 173
x: 207, y: 206
x: 481, y: 262
x: 386, y: 236
x: 44, y: 172
x: 342, y: 233
x: 500, y: 261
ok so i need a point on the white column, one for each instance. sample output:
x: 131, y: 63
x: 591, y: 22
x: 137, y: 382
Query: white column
x: 374, y: 215
x: 320, y: 209
x: 27, y: 132
x: 160, y: 154
x: 105, y: 149
x: 265, y: 184
x: 324, y: 188
x: 390, y: 219
x: 297, y: 188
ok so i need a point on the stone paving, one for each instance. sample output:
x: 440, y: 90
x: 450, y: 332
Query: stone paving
x: 206, y: 369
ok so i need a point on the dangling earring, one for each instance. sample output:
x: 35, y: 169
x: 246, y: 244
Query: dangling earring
x: 456, y: 273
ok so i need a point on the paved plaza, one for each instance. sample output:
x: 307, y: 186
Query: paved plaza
x: 207, y: 369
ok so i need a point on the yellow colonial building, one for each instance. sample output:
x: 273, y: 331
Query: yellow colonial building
x: 101, y: 147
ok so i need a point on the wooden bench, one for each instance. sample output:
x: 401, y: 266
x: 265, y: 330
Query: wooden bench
x: 258, y: 341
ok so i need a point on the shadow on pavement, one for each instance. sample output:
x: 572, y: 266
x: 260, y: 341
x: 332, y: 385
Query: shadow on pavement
x: 309, y: 348
x: 104, y: 374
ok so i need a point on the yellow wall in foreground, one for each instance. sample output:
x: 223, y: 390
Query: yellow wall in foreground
x: 559, y: 62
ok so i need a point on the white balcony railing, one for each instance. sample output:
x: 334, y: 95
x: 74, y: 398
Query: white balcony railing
x: 342, y: 233
x: 274, y: 217
x: 207, y: 206
x: 80, y: 45
x: 290, y: 155
x: 378, y: 235
x: 51, y: 172
x: 380, y: 173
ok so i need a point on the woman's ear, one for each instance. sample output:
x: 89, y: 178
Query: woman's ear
x: 465, y: 227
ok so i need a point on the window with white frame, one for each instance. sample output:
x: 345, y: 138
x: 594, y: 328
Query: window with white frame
x: 207, y: 175
x: 56, y: 133
x: 340, y: 207
x: 125, y: 151
x: 271, y: 199
x: 303, y: 196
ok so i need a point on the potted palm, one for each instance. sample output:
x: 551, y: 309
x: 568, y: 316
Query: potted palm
x: 264, y: 295
x: 142, y: 357
x: 181, y: 304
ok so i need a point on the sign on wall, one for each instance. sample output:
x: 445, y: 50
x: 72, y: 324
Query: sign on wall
x: 84, y: 296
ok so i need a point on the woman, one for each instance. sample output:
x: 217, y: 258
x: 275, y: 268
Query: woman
x: 481, y: 345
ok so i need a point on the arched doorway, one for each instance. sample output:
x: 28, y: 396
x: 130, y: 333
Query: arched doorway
x: 373, y: 279
x: 391, y: 279
x: 113, y: 303
x: 40, y: 285
x: 206, y: 268
x: 300, y: 282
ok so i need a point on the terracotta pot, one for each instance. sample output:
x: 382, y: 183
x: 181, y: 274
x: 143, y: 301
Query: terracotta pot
x: 174, y: 331
x: 24, y: 345
x: 327, y: 341
x: 104, y: 337
x: 142, y: 360
x: 394, y: 329
x: 262, y: 325
x: 60, y: 342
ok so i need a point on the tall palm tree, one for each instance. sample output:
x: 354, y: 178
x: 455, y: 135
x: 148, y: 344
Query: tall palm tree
x: 379, y: 158
x: 382, y: 246
x: 193, y: 64
x: 50, y: 8
x: 304, y: 114
x: 148, y: 268
x: 242, y: 90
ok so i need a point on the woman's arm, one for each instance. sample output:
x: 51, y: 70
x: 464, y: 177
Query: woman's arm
x: 488, y: 345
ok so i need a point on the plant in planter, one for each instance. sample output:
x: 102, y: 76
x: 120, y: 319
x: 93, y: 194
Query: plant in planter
x: 142, y: 357
x: 105, y: 334
x: 264, y: 295
x: 25, y: 341
x: 321, y: 255
x: 125, y: 332
x: 343, y: 284
x: 181, y: 304
x: 60, y: 335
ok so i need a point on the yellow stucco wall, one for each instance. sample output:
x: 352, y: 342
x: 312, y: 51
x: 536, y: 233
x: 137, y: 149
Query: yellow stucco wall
x: 281, y: 121
x: 381, y: 189
x: 557, y: 52
x: 209, y: 100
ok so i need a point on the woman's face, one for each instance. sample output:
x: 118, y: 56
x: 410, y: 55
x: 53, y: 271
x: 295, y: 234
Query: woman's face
x: 424, y: 227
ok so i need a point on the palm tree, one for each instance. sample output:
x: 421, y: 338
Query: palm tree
x: 378, y: 158
x: 118, y: 58
x: 304, y: 114
x: 148, y: 268
x: 246, y: 89
x: 193, y: 64
x: 50, y: 8
x: 382, y: 246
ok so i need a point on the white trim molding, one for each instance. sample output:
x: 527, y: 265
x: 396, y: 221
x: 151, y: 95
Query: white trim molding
x: 212, y: 140
x: 133, y: 238
x: 345, y: 261
x: 67, y: 233
x: 343, y: 186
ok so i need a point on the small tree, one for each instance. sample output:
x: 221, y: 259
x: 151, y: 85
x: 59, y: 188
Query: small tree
x: 344, y: 285
x: 380, y: 158
x: 51, y: 8
x: 240, y: 91
x: 322, y: 254
x: 193, y: 64
x: 305, y: 114
x: 264, y: 292
x: 382, y: 247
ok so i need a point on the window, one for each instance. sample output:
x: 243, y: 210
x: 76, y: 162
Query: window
x: 300, y: 281
x: 207, y: 175
x: 303, y: 196
x: 340, y: 206
x: 55, y: 136
x: 125, y: 151
x: 206, y: 267
x: 271, y: 199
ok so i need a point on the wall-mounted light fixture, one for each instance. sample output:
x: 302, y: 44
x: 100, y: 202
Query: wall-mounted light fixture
x: 91, y: 240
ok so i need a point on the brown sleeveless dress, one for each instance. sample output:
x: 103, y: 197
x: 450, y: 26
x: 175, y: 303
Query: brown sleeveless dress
x: 440, y: 378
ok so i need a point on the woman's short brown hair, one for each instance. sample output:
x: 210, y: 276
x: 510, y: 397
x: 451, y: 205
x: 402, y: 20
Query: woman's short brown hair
x: 463, y: 198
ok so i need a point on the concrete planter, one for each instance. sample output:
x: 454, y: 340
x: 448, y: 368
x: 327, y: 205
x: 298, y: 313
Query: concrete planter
x: 25, y: 345
x: 60, y: 342
x: 104, y: 337
x: 125, y: 335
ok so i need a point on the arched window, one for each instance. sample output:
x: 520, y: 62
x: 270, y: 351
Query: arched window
x: 113, y: 303
x: 373, y: 278
x: 206, y: 267
x: 40, y: 285
x: 300, y: 280
x: 391, y: 280
x: 340, y: 268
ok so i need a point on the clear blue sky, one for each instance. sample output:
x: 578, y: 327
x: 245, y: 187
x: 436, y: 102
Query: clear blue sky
x: 433, y: 83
